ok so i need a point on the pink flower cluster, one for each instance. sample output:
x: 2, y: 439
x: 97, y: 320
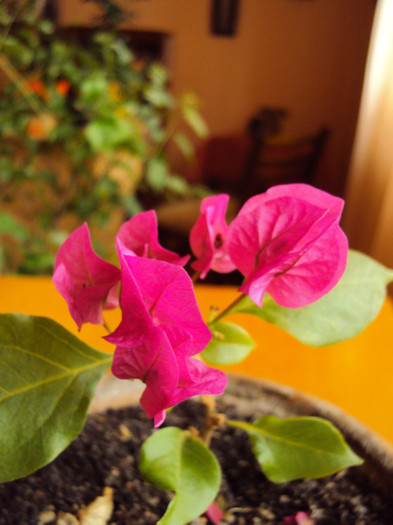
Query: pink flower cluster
x: 286, y: 242
x: 161, y: 327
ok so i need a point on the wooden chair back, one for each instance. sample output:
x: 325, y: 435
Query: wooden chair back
x: 282, y: 161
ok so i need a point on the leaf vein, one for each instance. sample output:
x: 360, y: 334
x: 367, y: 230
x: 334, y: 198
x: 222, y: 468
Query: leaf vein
x: 294, y: 444
x: 71, y: 374
x: 67, y: 343
x: 37, y: 356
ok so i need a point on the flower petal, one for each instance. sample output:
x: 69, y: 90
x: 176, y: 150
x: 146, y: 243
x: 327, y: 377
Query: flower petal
x: 169, y: 296
x: 139, y: 236
x: 85, y: 280
x: 214, y: 513
x: 208, y: 237
x: 196, y: 379
x: 161, y: 328
x: 315, y: 274
x: 287, y: 241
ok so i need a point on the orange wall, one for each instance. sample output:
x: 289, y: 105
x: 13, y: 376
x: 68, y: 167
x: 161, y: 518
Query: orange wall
x: 305, y: 55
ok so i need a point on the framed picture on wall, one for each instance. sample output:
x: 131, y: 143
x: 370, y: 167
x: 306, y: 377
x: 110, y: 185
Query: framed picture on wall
x: 224, y: 17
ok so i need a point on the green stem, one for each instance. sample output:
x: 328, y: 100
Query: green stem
x: 170, y: 131
x: 107, y: 328
x: 229, y: 308
x: 19, y: 82
x: 195, y: 277
x: 7, y: 30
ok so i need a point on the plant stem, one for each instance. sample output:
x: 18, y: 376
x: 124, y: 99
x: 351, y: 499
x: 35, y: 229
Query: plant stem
x: 19, y: 82
x: 229, y: 308
x: 17, y: 12
x: 106, y: 326
x: 169, y: 132
x: 213, y: 419
x: 195, y: 277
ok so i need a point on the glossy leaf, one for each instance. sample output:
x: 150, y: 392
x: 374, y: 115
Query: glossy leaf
x: 47, y: 379
x: 341, y: 314
x: 230, y: 344
x: 298, y: 447
x: 171, y: 459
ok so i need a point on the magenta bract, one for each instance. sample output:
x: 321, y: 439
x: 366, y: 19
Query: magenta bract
x: 208, y: 237
x: 161, y: 329
x: 288, y: 242
x: 85, y: 280
x: 300, y: 518
x: 214, y: 513
x: 139, y: 236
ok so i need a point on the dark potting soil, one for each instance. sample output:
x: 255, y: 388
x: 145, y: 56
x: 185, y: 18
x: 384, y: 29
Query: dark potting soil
x: 106, y: 455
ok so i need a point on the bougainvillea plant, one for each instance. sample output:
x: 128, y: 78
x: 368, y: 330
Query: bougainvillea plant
x: 298, y: 274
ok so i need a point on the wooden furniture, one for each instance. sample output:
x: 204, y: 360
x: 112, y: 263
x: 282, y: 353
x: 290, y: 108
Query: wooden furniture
x: 247, y: 165
x: 242, y: 166
x: 282, y: 160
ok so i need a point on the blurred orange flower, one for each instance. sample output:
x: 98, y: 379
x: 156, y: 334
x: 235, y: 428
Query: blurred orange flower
x: 40, y: 126
x: 62, y: 87
x: 37, y: 87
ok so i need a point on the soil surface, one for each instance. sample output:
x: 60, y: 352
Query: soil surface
x: 106, y: 455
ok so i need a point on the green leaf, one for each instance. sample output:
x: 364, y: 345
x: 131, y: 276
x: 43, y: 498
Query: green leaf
x: 10, y: 226
x: 230, y: 344
x: 158, y: 74
x: 46, y: 27
x: 196, y: 122
x: 122, y: 51
x: 106, y: 133
x: 177, y: 184
x: 47, y: 379
x: 189, y: 105
x: 37, y: 264
x: 341, y: 314
x: 2, y: 260
x: 20, y: 55
x: 131, y: 204
x: 298, y: 447
x: 185, y: 145
x: 94, y: 90
x: 156, y: 174
x: 158, y: 96
x: 171, y: 459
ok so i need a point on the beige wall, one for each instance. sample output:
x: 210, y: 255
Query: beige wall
x: 305, y: 55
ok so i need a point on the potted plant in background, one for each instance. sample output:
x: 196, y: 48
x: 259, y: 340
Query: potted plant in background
x: 292, y: 252
x: 84, y: 133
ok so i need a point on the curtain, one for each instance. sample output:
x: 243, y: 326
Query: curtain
x: 368, y: 217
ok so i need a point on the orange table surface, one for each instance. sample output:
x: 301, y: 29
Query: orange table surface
x: 355, y: 375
